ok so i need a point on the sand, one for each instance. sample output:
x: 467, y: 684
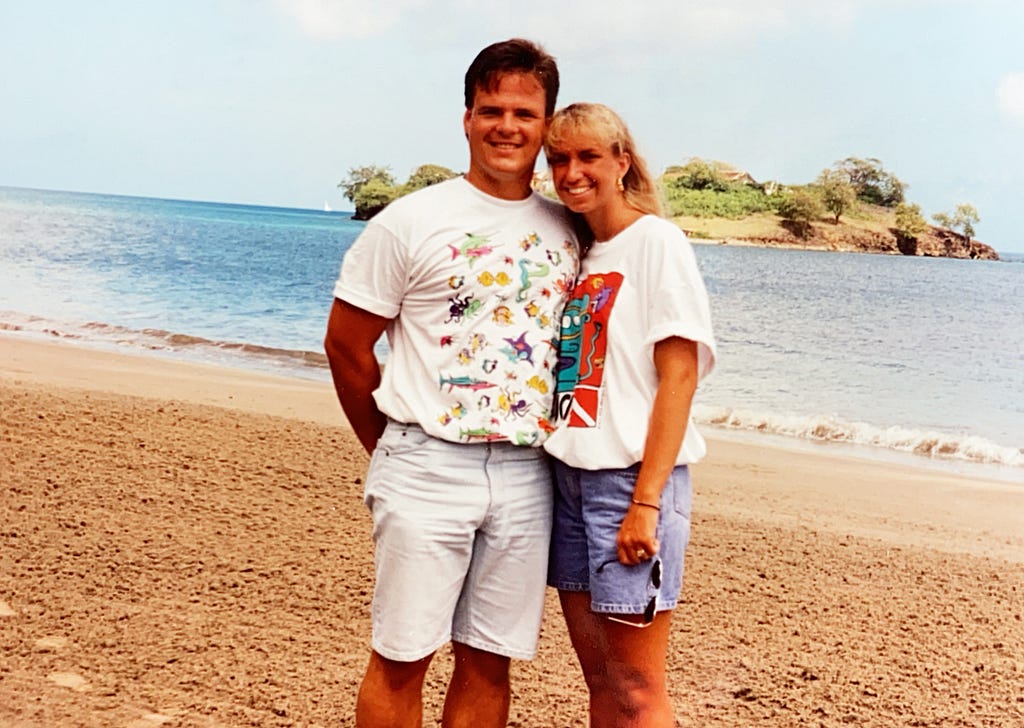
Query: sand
x: 186, y: 546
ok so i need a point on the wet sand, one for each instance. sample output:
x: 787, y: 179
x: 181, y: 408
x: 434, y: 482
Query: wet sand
x: 186, y: 546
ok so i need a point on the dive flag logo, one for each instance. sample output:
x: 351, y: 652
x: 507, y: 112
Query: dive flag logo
x: 585, y: 405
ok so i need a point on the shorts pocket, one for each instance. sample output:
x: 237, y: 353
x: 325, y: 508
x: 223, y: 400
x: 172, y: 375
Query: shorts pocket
x: 682, y: 492
x: 400, y: 439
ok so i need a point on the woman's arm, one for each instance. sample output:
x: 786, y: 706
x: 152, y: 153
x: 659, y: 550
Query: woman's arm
x: 675, y: 360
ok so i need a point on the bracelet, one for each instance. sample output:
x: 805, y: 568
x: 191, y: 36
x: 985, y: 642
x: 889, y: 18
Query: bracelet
x: 646, y: 505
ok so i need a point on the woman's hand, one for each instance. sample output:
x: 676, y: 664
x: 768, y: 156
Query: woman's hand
x: 675, y: 360
x: 637, y: 541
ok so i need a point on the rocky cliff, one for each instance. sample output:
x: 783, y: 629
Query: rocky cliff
x: 934, y: 243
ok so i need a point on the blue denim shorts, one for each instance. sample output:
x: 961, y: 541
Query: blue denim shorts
x: 589, y: 508
x: 461, y: 544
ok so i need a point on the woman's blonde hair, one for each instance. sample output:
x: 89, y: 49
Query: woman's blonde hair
x: 639, y: 188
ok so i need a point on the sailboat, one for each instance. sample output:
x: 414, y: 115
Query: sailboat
x: 327, y: 208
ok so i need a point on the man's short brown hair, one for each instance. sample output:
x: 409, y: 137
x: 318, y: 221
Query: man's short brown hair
x: 513, y: 56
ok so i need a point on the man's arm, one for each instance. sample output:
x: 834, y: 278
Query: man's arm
x: 351, y: 334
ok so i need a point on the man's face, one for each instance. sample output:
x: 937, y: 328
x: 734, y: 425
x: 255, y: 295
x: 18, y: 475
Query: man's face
x: 505, y: 129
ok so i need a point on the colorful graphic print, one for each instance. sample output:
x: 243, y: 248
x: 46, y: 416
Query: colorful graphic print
x: 584, y: 341
x: 499, y: 335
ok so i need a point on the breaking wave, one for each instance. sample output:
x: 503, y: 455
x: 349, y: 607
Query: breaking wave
x: 824, y: 428
x: 309, y: 364
x: 187, y: 346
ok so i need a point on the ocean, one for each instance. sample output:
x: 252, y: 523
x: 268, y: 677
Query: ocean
x: 875, y: 356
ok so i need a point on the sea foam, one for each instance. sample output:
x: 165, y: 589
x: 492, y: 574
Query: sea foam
x: 828, y: 428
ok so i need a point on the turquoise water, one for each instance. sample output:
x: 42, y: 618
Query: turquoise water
x: 924, y: 356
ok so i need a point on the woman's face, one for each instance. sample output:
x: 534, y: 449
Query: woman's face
x: 585, y: 172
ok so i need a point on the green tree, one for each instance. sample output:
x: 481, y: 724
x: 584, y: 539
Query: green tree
x: 962, y: 219
x: 909, y: 225
x: 799, y: 209
x: 699, y: 175
x: 426, y: 175
x: 837, y: 193
x: 358, y: 177
x: 909, y: 221
x: 374, y: 196
x: 872, y: 183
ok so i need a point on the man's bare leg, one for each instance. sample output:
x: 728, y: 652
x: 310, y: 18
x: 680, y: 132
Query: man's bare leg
x: 478, y: 695
x: 391, y: 694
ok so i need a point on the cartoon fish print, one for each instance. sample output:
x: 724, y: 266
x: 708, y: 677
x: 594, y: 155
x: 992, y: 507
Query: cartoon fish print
x: 527, y: 439
x: 540, y: 270
x: 457, y: 308
x: 518, y: 349
x: 538, y: 383
x: 480, y: 433
x: 513, y: 405
x: 564, y: 284
x: 473, y: 248
x: 489, y: 279
x: 530, y: 241
x: 464, y: 382
x: 502, y: 315
x: 462, y: 307
x: 602, y: 293
x: 536, y: 313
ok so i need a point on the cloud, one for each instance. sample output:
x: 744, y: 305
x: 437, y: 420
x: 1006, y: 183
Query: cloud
x: 335, y: 19
x: 603, y: 27
x: 579, y: 25
x: 1010, y: 96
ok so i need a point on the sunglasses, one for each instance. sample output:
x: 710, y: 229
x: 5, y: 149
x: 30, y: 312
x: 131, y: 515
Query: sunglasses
x: 651, y: 608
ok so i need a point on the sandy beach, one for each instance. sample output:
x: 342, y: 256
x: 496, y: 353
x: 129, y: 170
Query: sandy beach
x: 184, y: 545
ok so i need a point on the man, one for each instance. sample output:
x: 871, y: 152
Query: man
x: 468, y: 278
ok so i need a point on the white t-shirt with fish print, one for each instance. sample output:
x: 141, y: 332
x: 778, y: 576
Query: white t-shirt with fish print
x: 475, y: 287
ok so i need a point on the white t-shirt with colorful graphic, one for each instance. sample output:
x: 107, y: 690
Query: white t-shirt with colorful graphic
x: 634, y: 290
x: 474, y: 286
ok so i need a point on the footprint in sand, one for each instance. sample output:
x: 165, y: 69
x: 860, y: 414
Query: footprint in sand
x: 47, y: 644
x: 149, y: 720
x: 69, y: 680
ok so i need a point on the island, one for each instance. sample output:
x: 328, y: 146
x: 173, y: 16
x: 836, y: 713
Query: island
x: 856, y: 205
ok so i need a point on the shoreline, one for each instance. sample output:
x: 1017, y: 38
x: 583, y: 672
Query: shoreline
x: 171, y: 530
x: 136, y: 375
x: 219, y: 364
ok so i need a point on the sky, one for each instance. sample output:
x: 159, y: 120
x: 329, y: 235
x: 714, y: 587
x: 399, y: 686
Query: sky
x: 271, y: 102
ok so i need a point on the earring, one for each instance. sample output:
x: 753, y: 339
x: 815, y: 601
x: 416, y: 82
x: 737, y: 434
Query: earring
x: 619, y: 186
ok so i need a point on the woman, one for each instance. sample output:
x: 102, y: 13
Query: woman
x: 636, y: 340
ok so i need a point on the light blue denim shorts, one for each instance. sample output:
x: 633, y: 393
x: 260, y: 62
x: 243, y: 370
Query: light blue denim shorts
x: 589, y: 508
x: 461, y: 537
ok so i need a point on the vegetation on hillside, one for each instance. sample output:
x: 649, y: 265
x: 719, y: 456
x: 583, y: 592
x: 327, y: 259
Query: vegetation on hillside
x: 856, y: 204
x: 372, y: 188
x: 962, y: 219
x: 863, y: 205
